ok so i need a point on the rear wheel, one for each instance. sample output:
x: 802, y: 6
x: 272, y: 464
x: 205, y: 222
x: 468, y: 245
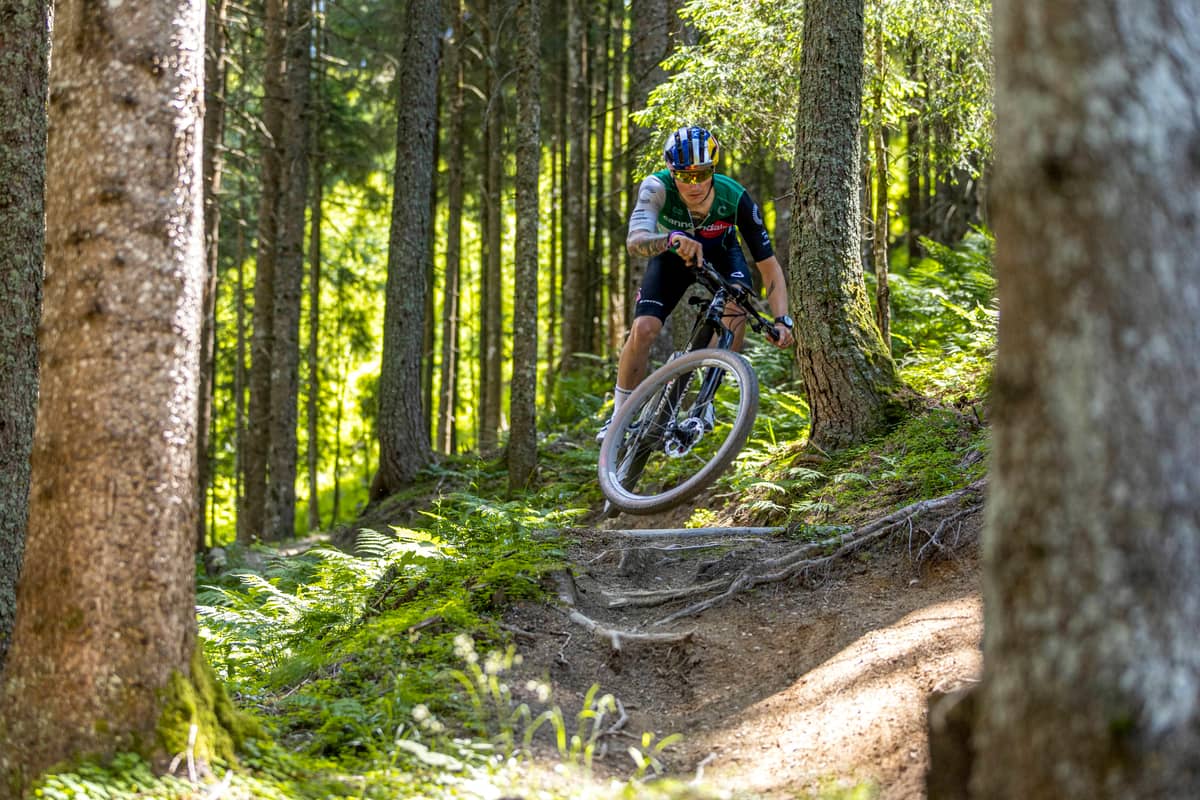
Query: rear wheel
x: 679, y: 430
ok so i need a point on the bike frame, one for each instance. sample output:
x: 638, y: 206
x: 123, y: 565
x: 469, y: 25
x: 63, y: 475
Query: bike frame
x: 710, y: 322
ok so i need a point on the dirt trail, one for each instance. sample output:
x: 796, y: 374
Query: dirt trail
x: 817, y: 681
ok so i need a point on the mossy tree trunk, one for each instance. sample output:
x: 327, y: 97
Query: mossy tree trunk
x: 105, y: 635
x: 1091, y: 683
x: 24, y: 46
x: 404, y: 445
x: 853, y: 389
x: 522, y: 443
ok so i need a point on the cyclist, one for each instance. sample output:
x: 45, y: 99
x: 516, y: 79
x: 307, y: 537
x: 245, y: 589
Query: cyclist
x: 684, y: 213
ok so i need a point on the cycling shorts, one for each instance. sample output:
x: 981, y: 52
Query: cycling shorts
x: 668, y: 278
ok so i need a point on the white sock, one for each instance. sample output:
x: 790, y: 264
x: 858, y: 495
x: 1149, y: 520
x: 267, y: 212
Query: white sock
x: 619, y: 396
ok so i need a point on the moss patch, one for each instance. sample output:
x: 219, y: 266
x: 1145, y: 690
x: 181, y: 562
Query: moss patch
x: 201, y: 700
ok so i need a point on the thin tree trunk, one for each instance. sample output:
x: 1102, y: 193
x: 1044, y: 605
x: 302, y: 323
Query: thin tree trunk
x: 105, y: 639
x: 239, y: 367
x: 617, y: 255
x: 557, y: 156
x: 575, y: 180
x: 493, y: 365
x: 214, y: 131
x: 879, y: 239
x: 914, y: 203
x: 282, y: 452
x: 522, y: 443
x: 448, y: 398
x: 429, y: 337
x: 649, y: 28
x: 313, y: 367
x: 597, y: 202
x: 252, y: 517
x: 403, y: 435
x: 342, y: 380
x: 22, y: 239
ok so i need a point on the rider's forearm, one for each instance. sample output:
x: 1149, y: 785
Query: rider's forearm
x: 775, y: 286
x: 646, y: 243
x: 644, y: 237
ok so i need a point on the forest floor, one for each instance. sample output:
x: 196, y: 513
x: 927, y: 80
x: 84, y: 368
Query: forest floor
x: 817, y: 684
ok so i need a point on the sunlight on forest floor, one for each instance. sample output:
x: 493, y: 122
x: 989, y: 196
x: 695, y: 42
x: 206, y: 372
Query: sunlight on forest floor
x: 863, y: 707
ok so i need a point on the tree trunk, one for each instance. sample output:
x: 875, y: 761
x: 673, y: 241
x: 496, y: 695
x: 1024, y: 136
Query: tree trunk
x: 313, y: 367
x: 289, y: 279
x: 557, y: 157
x: 214, y: 132
x: 575, y: 330
x: 252, y: 517
x: 25, y: 42
x: 879, y: 237
x: 650, y: 26
x: 596, y: 194
x: 104, y: 656
x: 914, y: 202
x: 617, y: 157
x: 1091, y: 671
x: 491, y: 367
x: 448, y: 396
x: 781, y: 189
x: 850, y: 377
x: 239, y: 366
x: 403, y: 435
x: 522, y: 442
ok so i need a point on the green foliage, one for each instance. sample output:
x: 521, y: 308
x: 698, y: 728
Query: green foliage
x: 745, y: 66
x: 945, y: 317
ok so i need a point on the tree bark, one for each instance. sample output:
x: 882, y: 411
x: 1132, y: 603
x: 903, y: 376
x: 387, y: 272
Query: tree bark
x: 651, y: 43
x: 915, y: 201
x: 24, y: 40
x: 313, y: 366
x: 214, y: 162
x: 492, y: 353
x: 448, y: 394
x: 289, y: 278
x: 575, y: 330
x: 879, y: 237
x: 403, y: 435
x: 252, y: 517
x: 1091, y: 672
x: 617, y: 158
x: 104, y: 654
x: 522, y: 442
x: 853, y: 388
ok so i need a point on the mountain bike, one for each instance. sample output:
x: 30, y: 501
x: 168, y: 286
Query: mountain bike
x: 684, y: 424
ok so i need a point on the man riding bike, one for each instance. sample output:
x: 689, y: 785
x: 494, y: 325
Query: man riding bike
x: 686, y: 213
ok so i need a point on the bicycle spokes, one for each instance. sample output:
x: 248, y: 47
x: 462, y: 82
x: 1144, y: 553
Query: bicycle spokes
x: 692, y: 417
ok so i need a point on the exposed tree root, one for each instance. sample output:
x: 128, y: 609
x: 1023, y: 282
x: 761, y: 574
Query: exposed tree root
x: 656, y: 533
x: 616, y: 638
x: 805, y: 557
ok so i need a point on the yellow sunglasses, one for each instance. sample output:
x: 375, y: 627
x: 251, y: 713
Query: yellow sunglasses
x: 693, y: 176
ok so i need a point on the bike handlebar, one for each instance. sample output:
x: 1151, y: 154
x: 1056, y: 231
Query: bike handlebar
x: 715, y: 281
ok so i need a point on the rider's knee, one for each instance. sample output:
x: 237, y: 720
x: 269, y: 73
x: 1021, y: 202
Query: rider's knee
x: 645, y: 329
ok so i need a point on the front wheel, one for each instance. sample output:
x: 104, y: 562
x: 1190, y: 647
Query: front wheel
x: 679, y: 430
